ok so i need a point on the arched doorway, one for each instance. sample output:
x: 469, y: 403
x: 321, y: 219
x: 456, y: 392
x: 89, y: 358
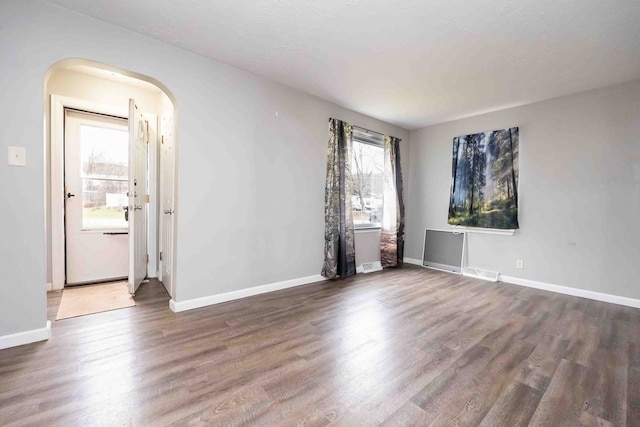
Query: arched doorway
x: 83, y: 88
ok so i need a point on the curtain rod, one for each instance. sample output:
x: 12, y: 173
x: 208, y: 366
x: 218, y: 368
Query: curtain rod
x: 369, y: 130
x: 373, y: 131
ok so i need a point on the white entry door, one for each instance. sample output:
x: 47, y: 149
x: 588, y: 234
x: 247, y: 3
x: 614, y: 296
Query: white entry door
x: 167, y: 170
x: 96, y: 172
x: 138, y: 196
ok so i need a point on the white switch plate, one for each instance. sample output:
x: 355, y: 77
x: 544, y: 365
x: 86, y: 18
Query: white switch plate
x: 17, y: 156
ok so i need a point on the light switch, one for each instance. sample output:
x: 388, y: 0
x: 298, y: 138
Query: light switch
x: 17, y: 156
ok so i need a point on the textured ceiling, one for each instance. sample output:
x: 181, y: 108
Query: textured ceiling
x: 410, y: 62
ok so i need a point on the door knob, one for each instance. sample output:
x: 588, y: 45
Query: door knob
x: 168, y: 211
x: 69, y: 195
x: 137, y: 207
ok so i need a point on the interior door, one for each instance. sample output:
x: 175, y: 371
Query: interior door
x: 167, y: 171
x: 138, y: 197
x: 96, y: 171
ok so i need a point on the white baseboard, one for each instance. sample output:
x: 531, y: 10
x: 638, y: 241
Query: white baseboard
x: 26, y: 337
x: 583, y: 293
x: 178, y: 306
x: 49, y: 287
x: 565, y: 290
x: 375, y: 266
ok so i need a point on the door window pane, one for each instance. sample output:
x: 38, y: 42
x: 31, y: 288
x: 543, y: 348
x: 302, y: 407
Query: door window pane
x: 102, y: 202
x: 105, y: 168
x: 104, y: 152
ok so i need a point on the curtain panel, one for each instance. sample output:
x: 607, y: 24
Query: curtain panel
x: 392, y: 233
x: 339, y: 247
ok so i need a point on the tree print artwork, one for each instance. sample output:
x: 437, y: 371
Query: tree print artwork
x: 484, y: 180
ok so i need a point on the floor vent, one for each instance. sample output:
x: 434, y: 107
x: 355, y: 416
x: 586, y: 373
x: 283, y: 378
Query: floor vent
x: 369, y: 267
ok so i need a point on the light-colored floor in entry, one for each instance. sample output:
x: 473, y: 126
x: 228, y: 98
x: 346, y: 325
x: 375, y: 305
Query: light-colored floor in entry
x: 92, y: 299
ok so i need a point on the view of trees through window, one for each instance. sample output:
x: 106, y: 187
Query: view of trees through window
x: 105, y: 166
x: 367, y: 168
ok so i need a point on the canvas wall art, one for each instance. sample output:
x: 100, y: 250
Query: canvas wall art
x: 484, y: 180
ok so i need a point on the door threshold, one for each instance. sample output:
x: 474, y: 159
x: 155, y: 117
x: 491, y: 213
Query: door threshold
x: 96, y: 282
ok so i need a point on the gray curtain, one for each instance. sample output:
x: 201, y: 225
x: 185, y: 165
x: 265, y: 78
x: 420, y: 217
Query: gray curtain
x: 392, y: 233
x: 339, y: 248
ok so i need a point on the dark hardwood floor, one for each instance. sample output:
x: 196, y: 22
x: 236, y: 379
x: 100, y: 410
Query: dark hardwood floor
x: 401, y: 347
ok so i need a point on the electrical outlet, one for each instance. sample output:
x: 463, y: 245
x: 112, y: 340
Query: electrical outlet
x: 520, y: 264
x: 17, y: 156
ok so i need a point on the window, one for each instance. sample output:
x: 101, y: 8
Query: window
x: 105, y: 161
x: 367, y: 168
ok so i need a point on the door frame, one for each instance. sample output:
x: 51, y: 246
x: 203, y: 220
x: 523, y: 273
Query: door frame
x: 53, y: 168
x: 83, y: 247
x: 58, y: 104
x: 170, y: 133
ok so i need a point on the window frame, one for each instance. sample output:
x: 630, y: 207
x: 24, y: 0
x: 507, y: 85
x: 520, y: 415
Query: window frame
x: 116, y: 123
x: 366, y: 137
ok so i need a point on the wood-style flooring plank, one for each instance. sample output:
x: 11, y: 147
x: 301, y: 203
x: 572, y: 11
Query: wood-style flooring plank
x: 406, y: 346
x: 566, y: 397
x: 514, y: 407
x: 633, y: 385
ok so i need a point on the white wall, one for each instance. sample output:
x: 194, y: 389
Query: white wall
x: 104, y: 92
x: 579, y: 183
x: 367, y: 243
x: 251, y: 160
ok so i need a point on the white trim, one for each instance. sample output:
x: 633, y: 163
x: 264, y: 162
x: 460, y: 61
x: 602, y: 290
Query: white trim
x: 178, y: 306
x: 26, y: 337
x: 417, y: 262
x: 431, y: 267
x: 464, y: 229
x: 376, y: 266
x: 367, y: 230
x: 442, y: 267
x: 49, y: 287
x: 56, y: 180
x: 453, y: 230
x: 153, y: 217
x: 169, y: 130
x: 582, y: 293
x: 565, y: 290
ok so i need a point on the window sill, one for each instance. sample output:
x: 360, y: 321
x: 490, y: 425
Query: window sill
x: 371, y: 229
